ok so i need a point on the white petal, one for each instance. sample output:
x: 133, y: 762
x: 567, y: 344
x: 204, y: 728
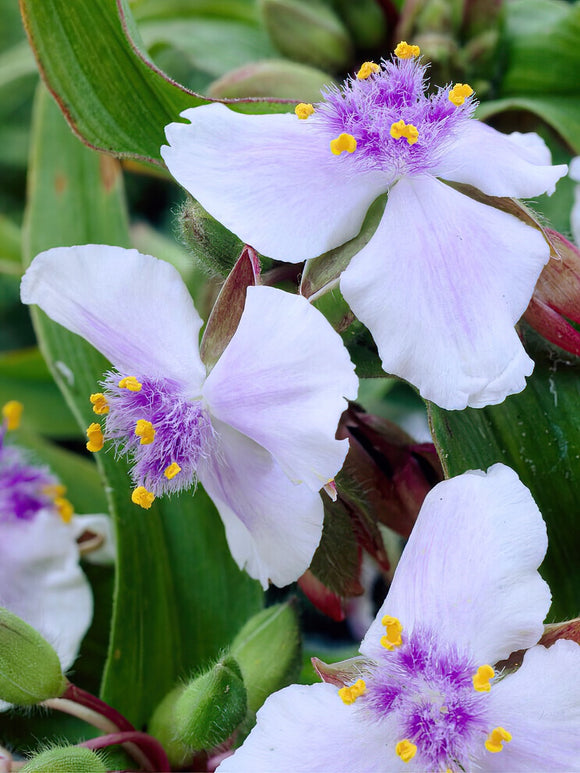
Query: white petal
x: 574, y: 169
x: 41, y: 581
x: 133, y: 308
x: 440, y: 286
x: 540, y: 706
x: 310, y: 730
x: 101, y: 526
x: 272, y: 526
x: 516, y: 165
x: 575, y: 214
x: 469, y: 570
x: 282, y: 382
x: 271, y: 179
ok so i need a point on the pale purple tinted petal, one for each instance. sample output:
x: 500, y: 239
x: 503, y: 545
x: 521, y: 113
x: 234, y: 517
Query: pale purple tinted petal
x: 469, y: 570
x: 271, y: 179
x: 282, y: 381
x: 41, y: 581
x: 310, y: 730
x: 500, y: 164
x: 102, y: 526
x: 540, y: 706
x: 133, y: 308
x: 272, y: 526
x: 440, y: 286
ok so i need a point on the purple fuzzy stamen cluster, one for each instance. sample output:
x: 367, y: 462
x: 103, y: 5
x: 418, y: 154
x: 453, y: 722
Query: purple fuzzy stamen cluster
x: 368, y: 108
x: 427, y: 686
x: 22, y: 485
x: 183, y: 431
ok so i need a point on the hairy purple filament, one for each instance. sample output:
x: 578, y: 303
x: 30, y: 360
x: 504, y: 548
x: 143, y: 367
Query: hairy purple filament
x: 367, y: 108
x: 183, y: 431
x: 24, y: 489
x: 427, y: 686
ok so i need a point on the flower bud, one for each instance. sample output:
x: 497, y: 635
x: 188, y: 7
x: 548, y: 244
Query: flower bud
x: 308, y: 32
x: 211, y: 707
x: 268, y: 651
x: 366, y: 21
x: 212, y: 245
x: 276, y: 78
x: 162, y: 727
x: 556, y: 298
x: 65, y: 759
x: 30, y: 671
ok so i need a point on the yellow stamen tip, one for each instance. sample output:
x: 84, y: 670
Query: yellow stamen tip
x: 142, y: 497
x: 366, y: 70
x: 130, y: 383
x: 99, y: 403
x: 64, y: 508
x: 54, y: 490
x: 12, y: 413
x: 401, y: 130
x: 348, y: 695
x: 481, y: 678
x: 95, y: 436
x: 406, y: 51
x: 406, y: 750
x: 171, y: 471
x: 144, y: 429
x: 459, y: 93
x: 496, y: 739
x: 393, y: 636
x: 344, y: 142
x: 303, y: 110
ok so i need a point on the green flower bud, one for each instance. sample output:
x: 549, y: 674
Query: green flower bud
x: 64, y: 760
x: 277, y: 78
x: 268, y: 649
x: 366, y: 21
x: 162, y: 727
x: 211, y: 707
x: 212, y: 245
x: 30, y: 671
x: 308, y: 32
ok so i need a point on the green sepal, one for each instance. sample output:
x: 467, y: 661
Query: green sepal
x: 30, y: 671
x: 213, y: 247
x: 65, y: 759
x: 162, y: 727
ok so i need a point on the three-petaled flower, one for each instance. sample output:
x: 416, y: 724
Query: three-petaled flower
x: 430, y: 693
x: 258, y: 431
x: 445, y: 277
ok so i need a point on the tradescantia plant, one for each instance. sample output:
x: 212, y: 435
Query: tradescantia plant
x: 357, y: 233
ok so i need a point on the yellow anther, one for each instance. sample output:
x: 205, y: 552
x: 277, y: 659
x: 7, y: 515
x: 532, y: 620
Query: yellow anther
x: 54, y: 490
x: 406, y: 51
x: 348, y: 695
x: 99, y: 403
x: 12, y: 412
x: 130, y: 383
x: 171, y: 471
x: 64, y: 508
x: 459, y: 93
x: 400, y: 130
x: 393, y: 636
x: 344, y: 142
x: 366, y: 70
x: 481, y: 678
x: 496, y: 739
x: 144, y: 429
x: 406, y: 750
x: 95, y: 436
x: 303, y: 110
x: 142, y: 497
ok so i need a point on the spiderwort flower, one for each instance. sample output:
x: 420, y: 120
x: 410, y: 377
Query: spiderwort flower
x: 444, y: 278
x: 429, y: 693
x: 40, y: 577
x: 258, y: 432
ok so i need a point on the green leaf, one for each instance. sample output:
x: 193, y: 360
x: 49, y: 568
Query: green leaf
x: 179, y: 596
x: 537, y: 434
x: 94, y: 63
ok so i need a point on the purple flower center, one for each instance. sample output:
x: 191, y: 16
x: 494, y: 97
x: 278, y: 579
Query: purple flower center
x: 427, y: 687
x: 24, y: 489
x: 368, y: 108
x: 165, y: 433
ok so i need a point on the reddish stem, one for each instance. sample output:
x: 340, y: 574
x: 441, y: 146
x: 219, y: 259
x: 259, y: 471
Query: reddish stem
x: 149, y: 746
x: 84, y: 698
